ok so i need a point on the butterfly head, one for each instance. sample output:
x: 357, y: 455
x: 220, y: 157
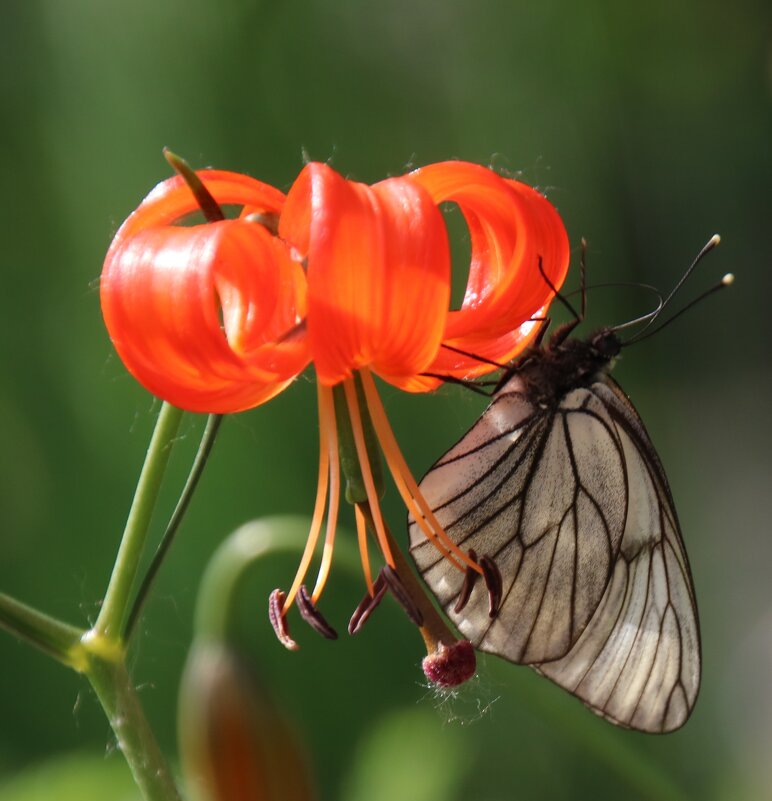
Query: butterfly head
x: 547, y: 373
x: 605, y: 344
x: 579, y: 361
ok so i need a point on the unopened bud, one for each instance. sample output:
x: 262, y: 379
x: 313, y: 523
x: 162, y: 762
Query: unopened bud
x: 235, y: 744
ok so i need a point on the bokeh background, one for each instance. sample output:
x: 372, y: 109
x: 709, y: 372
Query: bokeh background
x: 649, y: 125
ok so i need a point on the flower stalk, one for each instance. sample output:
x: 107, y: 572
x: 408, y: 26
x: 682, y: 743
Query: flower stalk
x: 54, y: 637
x: 196, y: 471
x: 113, y: 616
x: 108, y: 676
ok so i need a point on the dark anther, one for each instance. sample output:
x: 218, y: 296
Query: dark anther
x: 399, y: 591
x: 493, y: 582
x: 278, y: 621
x: 470, y: 578
x: 367, y: 606
x: 312, y: 615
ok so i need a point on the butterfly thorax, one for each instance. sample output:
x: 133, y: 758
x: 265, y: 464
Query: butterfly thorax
x: 549, y: 372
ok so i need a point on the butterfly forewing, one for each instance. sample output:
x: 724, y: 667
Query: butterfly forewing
x: 572, y: 505
x: 511, y: 490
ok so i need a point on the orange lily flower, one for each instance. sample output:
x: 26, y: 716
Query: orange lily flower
x: 355, y: 279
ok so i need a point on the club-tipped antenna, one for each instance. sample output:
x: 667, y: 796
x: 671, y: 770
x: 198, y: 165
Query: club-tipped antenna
x: 634, y: 285
x: 711, y: 243
x: 726, y: 281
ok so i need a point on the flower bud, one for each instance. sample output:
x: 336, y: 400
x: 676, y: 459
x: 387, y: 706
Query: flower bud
x: 235, y: 744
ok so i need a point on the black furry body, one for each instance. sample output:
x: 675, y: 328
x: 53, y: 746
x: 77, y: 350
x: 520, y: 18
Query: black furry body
x: 549, y: 372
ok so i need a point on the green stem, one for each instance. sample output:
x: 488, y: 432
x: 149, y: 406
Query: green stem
x: 111, y: 621
x: 110, y: 680
x: 57, y: 639
x: 196, y: 470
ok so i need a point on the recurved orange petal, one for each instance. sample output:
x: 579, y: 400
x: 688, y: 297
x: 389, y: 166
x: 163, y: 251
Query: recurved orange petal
x: 378, y: 271
x: 512, y: 227
x: 205, y: 316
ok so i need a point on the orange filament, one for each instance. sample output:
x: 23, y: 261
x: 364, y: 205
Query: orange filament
x: 405, y: 482
x: 363, y: 552
x: 419, y: 518
x: 327, y: 417
x: 364, y: 463
x: 321, y: 497
x: 329, y: 480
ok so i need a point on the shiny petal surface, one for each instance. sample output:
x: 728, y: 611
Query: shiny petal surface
x: 378, y: 273
x: 511, y: 226
x: 200, y: 315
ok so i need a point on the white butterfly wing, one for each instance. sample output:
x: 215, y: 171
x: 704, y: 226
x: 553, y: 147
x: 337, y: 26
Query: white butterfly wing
x: 574, y: 509
x: 637, y: 662
x: 523, y: 488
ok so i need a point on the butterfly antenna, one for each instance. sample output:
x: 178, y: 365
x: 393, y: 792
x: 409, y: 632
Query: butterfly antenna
x: 711, y: 243
x: 644, y: 317
x: 726, y: 281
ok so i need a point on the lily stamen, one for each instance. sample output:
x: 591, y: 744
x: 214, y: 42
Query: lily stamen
x: 279, y: 621
x: 355, y: 415
x: 406, y: 484
x: 327, y: 431
x: 363, y: 551
x: 494, y: 584
x: 367, y: 605
x: 400, y: 592
x: 312, y: 615
x: 470, y: 579
x: 329, y: 423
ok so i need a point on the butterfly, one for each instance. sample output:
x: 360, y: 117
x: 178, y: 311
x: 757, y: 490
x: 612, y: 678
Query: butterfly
x: 559, y: 490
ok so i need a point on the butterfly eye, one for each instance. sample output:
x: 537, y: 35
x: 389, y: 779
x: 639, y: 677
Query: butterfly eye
x: 606, y: 343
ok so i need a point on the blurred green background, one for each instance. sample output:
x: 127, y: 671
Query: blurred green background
x: 648, y: 125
